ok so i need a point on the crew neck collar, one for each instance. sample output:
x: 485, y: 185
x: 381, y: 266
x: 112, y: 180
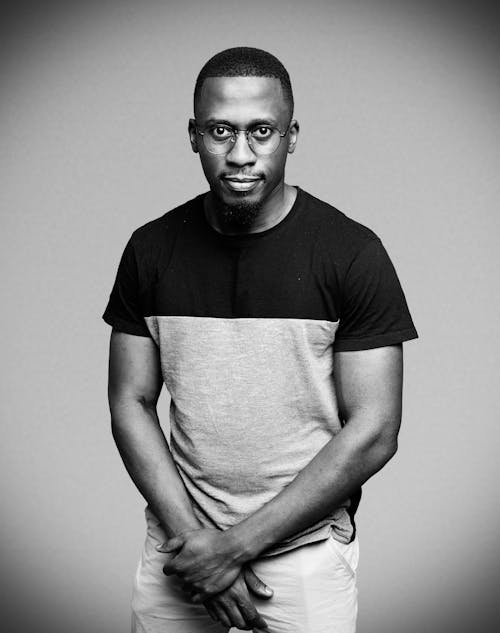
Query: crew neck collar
x: 248, y: 238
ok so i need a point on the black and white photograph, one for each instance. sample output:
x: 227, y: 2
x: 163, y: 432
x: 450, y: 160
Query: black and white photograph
x: 250, y: 311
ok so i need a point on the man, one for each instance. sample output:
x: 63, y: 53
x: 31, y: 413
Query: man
x: 276, y: 324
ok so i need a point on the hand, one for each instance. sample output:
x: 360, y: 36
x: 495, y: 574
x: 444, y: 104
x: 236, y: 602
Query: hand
x: 208, y: 560
x: 234, y: 607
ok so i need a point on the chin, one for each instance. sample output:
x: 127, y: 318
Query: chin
x: 239, y: 212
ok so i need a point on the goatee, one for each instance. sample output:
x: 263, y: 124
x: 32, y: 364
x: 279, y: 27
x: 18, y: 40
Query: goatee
x: 238, y: 215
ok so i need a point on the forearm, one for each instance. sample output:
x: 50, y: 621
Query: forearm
x: 147, y: 458
x: 338, y: 470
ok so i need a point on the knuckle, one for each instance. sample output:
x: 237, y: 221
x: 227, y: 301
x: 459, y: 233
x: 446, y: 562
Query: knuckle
x: 225, y: 601
x: 249, y: 613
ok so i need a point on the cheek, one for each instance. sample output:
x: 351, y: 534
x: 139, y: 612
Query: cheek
x: 275, y: 167
x: 211, y: 166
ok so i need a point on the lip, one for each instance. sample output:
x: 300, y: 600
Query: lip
x: 246, y: 183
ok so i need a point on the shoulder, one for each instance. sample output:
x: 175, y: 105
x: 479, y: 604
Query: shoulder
x: 339, y: 234
x: 150, y: 246
x: 154, y: 234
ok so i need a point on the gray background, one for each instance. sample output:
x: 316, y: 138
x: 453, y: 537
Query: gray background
x: 399, y: 107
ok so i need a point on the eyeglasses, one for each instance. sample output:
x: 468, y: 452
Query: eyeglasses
x: 262, y: 139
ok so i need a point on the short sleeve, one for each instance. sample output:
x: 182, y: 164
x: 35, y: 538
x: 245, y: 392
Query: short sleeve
x: 374, y: 312
x: 124, y: 310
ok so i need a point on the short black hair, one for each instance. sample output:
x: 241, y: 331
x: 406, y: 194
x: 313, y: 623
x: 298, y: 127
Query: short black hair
x: 244, y: 61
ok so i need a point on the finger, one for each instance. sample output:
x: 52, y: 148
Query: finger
x: 255, y: 584
x: 220, y: 614
x: 251, y: 616
x: 175, y: 565
x: 238, y: 594
x: 171, y: 545
x: 234, y: 615
x: 172, y: 569
x: 247, y: 607
x: 211, y: 612
x: 196, y: 598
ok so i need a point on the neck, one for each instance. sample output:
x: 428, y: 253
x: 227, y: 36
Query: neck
x: 276, y: 207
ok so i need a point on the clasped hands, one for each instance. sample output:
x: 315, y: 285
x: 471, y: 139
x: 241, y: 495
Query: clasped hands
x: 213, y: 569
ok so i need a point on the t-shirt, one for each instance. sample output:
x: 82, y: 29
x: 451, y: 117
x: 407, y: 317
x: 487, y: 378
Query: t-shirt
x: 247, y: 327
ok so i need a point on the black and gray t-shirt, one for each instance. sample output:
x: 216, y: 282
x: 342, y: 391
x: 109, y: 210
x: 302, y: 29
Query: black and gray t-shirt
x: 247, y: 327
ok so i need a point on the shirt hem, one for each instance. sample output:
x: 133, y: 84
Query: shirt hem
x: 126, y: 326
x: 382, y: 340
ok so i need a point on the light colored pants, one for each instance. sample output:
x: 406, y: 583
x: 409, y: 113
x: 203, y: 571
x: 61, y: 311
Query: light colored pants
x: 314, y: 591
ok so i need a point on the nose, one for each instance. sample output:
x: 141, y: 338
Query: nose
x: 241, y: 153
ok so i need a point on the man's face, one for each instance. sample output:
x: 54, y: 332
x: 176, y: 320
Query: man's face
x: 241, y: 181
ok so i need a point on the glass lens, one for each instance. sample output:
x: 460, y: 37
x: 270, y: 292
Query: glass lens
x: 220, y: 139
x: 264, y: 140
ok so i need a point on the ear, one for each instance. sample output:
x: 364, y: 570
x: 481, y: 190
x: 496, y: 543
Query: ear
x: 293, y: 134
x: 193, y: 136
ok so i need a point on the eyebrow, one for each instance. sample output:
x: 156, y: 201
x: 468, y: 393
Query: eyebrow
x: 261, y: 121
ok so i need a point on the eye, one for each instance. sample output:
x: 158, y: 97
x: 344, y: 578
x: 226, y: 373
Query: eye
x: 220, y: 132
x: 262, y: 132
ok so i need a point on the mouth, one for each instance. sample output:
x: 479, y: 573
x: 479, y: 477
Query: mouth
x: 241, y: 183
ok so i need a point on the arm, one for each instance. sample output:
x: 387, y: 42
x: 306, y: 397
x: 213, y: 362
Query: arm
x: 369, y: 390
x: 135, y: 383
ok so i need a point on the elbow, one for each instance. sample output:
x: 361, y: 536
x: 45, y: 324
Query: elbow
x: 129, y: 410
x: 379, y: 452
x: 118, y: 410
x: 118, y: 421
x: 374, y: 436
x: 381, y: 442
x: 121, y: 404
x: 386, y: 446
x: 123, y: 413
x: 390, y: 448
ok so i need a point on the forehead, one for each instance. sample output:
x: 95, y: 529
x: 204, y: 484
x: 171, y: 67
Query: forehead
x: 240, y: 99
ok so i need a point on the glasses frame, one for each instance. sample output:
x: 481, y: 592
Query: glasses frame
x: 234, y: 137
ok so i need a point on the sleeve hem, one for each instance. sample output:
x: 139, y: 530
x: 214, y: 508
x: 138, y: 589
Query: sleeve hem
x: 371, y: 342
x: 126, y: 326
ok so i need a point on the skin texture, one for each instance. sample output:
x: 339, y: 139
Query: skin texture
x: 213, y: 565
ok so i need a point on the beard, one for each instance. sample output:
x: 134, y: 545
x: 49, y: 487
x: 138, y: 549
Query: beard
x: 238, y: 215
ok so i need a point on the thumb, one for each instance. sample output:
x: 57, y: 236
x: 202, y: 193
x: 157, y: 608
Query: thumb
x: 255, y: 584
x: 171, y: 545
